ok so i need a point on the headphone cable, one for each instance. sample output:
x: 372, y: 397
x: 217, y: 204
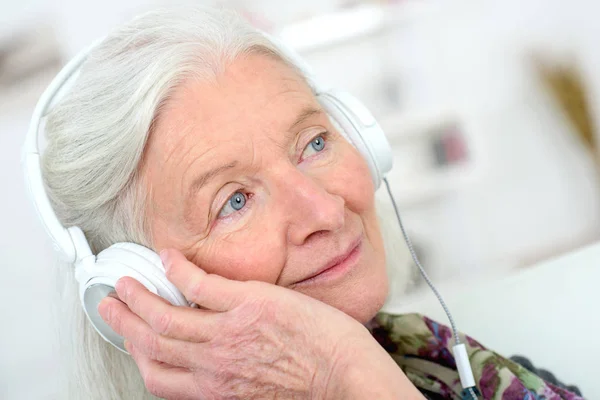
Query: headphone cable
x: 460, y: 353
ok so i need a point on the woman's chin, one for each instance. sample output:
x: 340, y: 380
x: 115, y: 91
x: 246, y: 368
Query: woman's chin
x: 366, y: 306
x: 361, y: 295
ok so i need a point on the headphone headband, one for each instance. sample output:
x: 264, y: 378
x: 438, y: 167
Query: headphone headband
x: 62, y: 240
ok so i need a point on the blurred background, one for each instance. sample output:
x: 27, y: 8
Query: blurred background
x: 492, y: 109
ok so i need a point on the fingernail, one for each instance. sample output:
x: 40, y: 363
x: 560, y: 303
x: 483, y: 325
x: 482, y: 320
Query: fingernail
x: 104, y: 310
x: 119, y: 286
x: 126, y: 345
x: 164, y: 256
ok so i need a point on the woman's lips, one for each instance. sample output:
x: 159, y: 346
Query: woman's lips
x: 338, y: 266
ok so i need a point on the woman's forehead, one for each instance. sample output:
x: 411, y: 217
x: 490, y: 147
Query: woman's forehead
x: 254, y: 92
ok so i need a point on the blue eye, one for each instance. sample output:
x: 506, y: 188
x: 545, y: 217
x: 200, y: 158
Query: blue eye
x: 316, y: 145
x: 235, y: 203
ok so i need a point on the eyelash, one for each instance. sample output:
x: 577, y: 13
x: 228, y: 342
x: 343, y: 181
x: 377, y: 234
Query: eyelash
x: 324, y: 135
x: 238, y: 213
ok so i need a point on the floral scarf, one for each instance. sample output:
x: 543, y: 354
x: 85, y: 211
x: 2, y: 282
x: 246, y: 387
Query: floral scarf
x: 423, y: 349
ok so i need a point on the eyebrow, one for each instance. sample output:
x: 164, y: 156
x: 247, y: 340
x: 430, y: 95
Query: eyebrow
x: 305, y: 114
x: 203, y: 179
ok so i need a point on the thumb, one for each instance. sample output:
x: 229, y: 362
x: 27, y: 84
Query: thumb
x: 206, y: 290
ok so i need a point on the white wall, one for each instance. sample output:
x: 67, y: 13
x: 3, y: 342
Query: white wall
x: 28, y: 362
x: 15, y: 14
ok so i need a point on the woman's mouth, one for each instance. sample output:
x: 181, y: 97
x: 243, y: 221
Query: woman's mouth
x: 338, y: 266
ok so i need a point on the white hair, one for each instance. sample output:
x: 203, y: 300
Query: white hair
x: 96, y: 137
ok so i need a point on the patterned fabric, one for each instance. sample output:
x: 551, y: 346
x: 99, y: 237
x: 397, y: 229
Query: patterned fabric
x: 423, y: 349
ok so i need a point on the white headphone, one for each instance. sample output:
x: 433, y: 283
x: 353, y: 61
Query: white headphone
x: 97, y: 275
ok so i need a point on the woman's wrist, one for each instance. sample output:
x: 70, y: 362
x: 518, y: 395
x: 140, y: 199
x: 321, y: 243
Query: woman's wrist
x: 366, y: 370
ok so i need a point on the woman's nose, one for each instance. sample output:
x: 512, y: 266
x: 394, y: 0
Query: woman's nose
x: 309, y: 208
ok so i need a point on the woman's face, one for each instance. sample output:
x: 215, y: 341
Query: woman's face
x: 249, y: 179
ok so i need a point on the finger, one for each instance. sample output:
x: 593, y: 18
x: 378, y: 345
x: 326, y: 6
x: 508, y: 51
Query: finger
x: 182, y: 323
x: 163, y: 380
x: 207, y: 290
x: 125, y: 323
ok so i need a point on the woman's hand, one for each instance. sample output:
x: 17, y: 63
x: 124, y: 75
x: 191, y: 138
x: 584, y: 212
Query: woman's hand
x: 249, y: 340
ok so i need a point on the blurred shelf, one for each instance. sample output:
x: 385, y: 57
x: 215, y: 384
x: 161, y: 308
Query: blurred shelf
x: 433, y: 155
x: 326, y: 30
x: 413, y: 189
x: 410, y: 125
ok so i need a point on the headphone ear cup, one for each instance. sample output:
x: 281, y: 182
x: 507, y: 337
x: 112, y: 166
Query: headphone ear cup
x: 358, y: 125
x: 113, y: 263
x: 137, y: 259
x: 135, y: 250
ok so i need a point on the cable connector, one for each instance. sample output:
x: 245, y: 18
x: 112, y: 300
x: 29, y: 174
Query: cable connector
x: 463, y: 366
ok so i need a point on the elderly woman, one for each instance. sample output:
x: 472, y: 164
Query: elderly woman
x: 190, y: 133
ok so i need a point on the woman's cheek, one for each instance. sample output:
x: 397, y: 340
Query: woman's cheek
x: 355, y: 182
x: 252, y: 258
